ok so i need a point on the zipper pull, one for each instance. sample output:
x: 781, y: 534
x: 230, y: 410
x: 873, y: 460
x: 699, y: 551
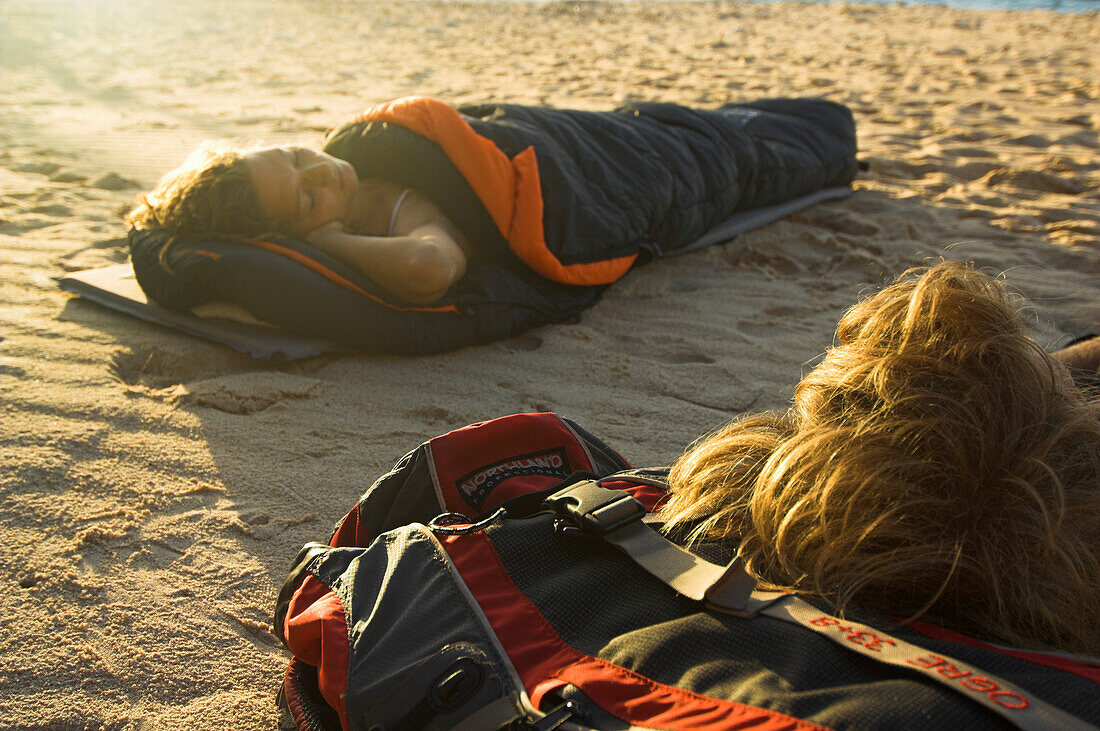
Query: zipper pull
x: 556, y: 717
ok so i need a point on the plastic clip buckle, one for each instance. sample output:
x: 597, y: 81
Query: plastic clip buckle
x: 592, y: 509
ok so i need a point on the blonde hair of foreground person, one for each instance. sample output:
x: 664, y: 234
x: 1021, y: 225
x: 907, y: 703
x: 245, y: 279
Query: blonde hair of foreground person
x: 210, y: 194
x: 936, y: 464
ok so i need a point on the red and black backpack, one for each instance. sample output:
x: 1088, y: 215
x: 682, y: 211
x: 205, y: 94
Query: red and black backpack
x: 507, y: 575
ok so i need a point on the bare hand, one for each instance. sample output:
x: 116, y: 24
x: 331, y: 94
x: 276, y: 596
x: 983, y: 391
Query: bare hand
x: 326, y: 233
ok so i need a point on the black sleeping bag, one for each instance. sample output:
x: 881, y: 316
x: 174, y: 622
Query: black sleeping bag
x: 557, y: 203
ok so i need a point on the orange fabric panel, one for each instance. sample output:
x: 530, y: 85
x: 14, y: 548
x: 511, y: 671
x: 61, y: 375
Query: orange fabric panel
x: 508, y: 188
x: 316, y: 631
x: 528, y: 241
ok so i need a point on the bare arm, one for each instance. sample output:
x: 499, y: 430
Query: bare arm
x: 418, y: 264
x: 1082, y: 359
x: 419, y: 267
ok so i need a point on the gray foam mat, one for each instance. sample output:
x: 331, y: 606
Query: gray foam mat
x: 115, y: 287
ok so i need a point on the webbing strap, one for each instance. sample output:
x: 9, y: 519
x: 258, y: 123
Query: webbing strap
x: 723, y: 587
x: 1011, y: 702
x: 617, y: 517
x: 497, y: 714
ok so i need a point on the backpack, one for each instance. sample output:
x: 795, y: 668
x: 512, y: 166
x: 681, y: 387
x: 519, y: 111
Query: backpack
x: 507, y: 575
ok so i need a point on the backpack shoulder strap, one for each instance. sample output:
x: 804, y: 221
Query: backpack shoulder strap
x: 1008, y: 700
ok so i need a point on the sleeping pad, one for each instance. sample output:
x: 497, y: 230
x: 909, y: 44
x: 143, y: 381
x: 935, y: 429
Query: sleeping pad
x: 557, y: 204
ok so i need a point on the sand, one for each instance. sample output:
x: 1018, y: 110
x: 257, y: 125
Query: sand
x: 155, y: 487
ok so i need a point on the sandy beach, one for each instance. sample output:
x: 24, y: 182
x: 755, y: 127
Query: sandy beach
x: 155, y: 487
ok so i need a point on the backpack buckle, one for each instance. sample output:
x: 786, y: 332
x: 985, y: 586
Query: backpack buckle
x: 589, y: 508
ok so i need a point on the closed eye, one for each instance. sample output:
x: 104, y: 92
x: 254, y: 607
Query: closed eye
x: 305, y: 200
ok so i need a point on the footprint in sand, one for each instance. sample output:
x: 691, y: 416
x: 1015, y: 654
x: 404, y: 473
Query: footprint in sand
x: 1034, y: 180
x: 247, y: 393
x: 180, y: 362
x: 38, y: 168
x: 1040, y: 141
x: 522, y: 343
x: 968, y: 151
x: 91, y: 258
x: 685, y: 354
x: 114, y: 181
x: 763, y: 325
x: 434, y: 414
x: 25, y: 224
x: 899, y: 168
x: 112, y: 243
x: 980, y: 107
x: 968, y: 136
x: 839, y: 220
x: 68, y: 176
x: 972, y: 169
x: 1084, y: 138
x: 55, y: 209
x: 1082, y: 120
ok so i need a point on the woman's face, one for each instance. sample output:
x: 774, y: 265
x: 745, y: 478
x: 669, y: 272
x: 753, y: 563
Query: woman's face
x: 302, y: 187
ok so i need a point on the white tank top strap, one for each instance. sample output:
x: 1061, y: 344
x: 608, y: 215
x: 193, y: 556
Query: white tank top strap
x: 396, y: 208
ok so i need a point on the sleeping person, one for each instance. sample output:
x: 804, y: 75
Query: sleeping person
x: 453, y: 226
x: 393, y: 235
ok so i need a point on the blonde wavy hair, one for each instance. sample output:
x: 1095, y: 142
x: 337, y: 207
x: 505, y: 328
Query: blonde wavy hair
x: 210, y: 195
x: 937, y: 464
